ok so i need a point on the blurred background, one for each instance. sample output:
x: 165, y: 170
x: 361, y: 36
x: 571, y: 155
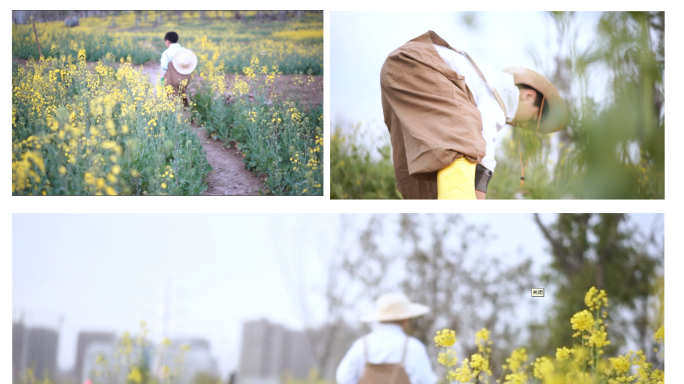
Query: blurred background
x: 277, y: 298
x: 608, y: 66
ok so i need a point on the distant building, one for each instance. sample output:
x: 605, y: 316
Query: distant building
x: 85, y: 339
x: 18, y: 344
x: 89, y: 365
x: 270, y: 351
x: 196, y: 361
x: 39, y: 352
x: 333, y: 341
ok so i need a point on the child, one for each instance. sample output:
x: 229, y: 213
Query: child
x: 177, y: 63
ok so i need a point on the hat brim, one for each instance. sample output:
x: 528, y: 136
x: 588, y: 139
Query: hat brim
x: 414, y: 310
x: 557, y: 116
x: 185, y: 53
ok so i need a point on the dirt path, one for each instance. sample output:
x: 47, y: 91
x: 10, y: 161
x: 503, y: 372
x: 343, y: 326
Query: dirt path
x: 229, y: 176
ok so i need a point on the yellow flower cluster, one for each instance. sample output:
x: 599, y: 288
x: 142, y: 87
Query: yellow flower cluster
x: 447, y: 358
x: 462, y: 374
x: 543, y: 367
x: 660, y: 334
x: 135, y: 375
x: 516, y: 364
x: 595, y: 299
x: 582, y: 364
x: 582, y: 321
x: 478, y: 364
x: 213, y: 71
x: 563, y: 353
x: 620, y: 364
x: 445, y: 338
x: 470, y: 369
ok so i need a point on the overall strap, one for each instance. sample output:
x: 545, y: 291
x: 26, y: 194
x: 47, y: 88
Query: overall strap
x: 496, y: 94
x: 403, y: 355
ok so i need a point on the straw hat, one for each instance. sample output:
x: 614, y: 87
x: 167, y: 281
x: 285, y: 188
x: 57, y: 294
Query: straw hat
x: 184, y: 61
x: 395, y: 306
x: 557, y: 115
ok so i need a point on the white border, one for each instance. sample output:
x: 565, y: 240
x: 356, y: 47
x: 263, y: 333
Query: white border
x: 210, y: 204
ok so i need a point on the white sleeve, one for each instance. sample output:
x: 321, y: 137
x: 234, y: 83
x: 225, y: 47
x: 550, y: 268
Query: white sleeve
x: 164, y: 63
x: 424, y: 374
x: 350, y: 369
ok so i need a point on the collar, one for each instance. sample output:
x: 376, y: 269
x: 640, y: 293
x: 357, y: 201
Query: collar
x: 509, y: 92
x: 433, y: 38
x: 388, y: 327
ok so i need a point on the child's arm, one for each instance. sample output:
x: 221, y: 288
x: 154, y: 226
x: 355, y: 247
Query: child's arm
x: 164, y: 64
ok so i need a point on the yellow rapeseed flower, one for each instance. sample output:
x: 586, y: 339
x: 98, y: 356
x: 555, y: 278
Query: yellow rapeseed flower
x: 563, y: 353
x: 448, y: 358
x: 660, y: 334
x: 482, y: 335
x: 595, y: 299
x: 479, y: 364
x: 543, y: 367
x: 89, y: 178
x: 599, y: 338
x: 445, y: 338
x: 135, y: 375
x: 582, y: 321
x: 462, y: 374
x: 620, y: 363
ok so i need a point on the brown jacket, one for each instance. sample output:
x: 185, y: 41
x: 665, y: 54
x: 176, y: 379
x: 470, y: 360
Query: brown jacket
x: 177, y: 81
x: 430, y: 113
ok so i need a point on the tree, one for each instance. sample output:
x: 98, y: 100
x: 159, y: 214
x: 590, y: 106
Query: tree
x: 608, y: 252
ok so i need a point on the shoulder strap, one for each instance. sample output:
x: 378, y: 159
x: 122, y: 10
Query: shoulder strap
x: 365, y: 348
x: 403, y: 355
x: 496, y: 94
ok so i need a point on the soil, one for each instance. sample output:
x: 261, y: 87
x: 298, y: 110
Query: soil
x: 229, y: 175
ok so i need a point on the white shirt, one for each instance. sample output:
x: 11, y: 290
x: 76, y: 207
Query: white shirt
x: 167, y: 57
x: 493, y: 118
x: 386, y: 346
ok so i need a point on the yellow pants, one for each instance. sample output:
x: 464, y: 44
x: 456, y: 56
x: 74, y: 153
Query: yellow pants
x: 457, y: 181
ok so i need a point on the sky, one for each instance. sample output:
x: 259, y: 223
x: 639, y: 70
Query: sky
x: 106, y: 272
x: 361, y: 41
